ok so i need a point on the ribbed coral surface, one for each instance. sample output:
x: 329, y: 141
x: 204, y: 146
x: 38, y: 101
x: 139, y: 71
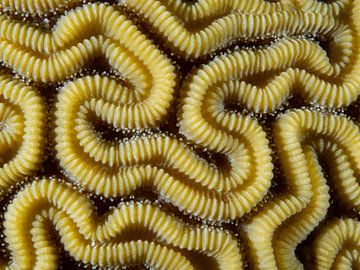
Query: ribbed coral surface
x: 173, y: 134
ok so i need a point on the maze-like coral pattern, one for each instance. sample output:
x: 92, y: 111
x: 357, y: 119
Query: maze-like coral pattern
x: 213, y: 134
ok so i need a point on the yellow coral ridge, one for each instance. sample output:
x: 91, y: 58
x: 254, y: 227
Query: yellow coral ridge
x: 69, y: 38
x: 329, y: 79
x: 22, y: 122
x: 80, y: 36
x: 304, y: 68
x: 99, y: 241
x: 200, y: 8
x: 164, y: 162
x: 37, y: 7
x: 54, y: 56
x: 218, y: 169
x: 301, y: 136
x: 206, y: 8
x: 333, y: 7
x: 219, y: 32
x: 338, y: 246
x: 193, y: 11
x: 347, y: 260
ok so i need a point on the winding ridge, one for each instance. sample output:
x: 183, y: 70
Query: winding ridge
x: 164, y: 162
x: 90, y: 240
x: 85, y: 33
x: 306, y: 48
x: 285, y: 221
x: 338, y: 245
x: 55, y: 56
x: 330, y: 79
x: 216, y: 33
x: 22, y: 134
x: 160, y: 161
x: 191, y: 11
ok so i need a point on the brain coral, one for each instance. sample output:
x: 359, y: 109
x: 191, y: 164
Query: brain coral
x: 173, y: 134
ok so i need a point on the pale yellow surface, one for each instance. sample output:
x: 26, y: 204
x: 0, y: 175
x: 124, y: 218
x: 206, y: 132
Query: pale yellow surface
x: 22, y: 134
x: 98, y: 241
x: 302, y: 136
x: 338, y: 245
x: 259, y: 78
